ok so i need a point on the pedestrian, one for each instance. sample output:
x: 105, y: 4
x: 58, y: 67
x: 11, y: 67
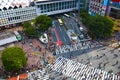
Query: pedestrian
x: 99, y: 65
x: 116, y: 62
x: 97, y: 56
x: 103, y: 54
x: 104, y: 64
x: 70, y: 55
x: 77, y: 60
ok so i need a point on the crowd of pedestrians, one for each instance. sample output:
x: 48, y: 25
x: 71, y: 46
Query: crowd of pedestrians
x: 38, y: 75
x: 77, y: 46
x: 80, y: 71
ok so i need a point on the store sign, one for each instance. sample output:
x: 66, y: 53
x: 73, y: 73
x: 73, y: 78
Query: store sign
x: 115, y: 0
x: 115, y: 3
x: 17, y: 4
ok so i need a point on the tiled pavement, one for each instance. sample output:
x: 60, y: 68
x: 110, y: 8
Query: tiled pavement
x: 105, y: 58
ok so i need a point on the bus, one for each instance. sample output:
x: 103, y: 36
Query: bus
x: 18, y: 36
x: 66, y: 15
x: 60, y: 22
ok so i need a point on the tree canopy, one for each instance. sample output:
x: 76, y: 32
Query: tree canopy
x: 13, y: 58
x: 31, y: 32
x: 98, y: 26
x: 43, y: 22
x: 26, y: 24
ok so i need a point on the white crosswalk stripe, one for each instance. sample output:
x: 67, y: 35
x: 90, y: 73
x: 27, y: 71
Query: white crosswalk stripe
x: 77, y: 46
x: 80, y: 71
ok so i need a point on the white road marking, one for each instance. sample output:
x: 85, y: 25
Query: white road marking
x: 60, y: 29
x: 65, y: 39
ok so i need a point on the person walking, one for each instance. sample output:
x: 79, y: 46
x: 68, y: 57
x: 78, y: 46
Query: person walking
x: 116, y: 62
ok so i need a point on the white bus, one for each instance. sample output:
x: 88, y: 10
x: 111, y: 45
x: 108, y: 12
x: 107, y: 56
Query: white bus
x: 60, y: 22
x: 66, y: 15
x: 18, y: 36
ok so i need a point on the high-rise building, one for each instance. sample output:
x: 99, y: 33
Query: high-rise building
x: 17, y: 11
x: 114, y: 9
x: 98, y: 7
x: 55, y: 6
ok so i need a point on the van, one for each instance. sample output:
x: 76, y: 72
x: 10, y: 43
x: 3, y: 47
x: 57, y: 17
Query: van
x: 18, y: 36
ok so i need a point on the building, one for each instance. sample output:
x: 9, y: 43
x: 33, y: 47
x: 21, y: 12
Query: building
x: 7, y: 37
x: 9, y: 17
x: 17, y: 11
x: 98, y: 7
x: 55, y: 6
x: 114, y: 9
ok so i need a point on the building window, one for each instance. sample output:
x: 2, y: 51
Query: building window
x: 37, y: 6
x: 44, y: 6
x: 41, y: 6
x: 67, y: 5
x: 56, y: 7
x: 63, y: 4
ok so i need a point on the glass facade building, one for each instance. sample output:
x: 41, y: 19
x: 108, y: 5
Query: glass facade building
x: 17, y: 15
x: 10, y: 16
x: 114, y: 9
x: 55, y: 6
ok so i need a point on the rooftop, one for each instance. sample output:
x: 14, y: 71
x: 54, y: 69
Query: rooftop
x: 6, y: 34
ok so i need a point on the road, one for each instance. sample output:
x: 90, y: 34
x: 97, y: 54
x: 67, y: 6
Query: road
x: 62, y: 33
x: 53, y: 35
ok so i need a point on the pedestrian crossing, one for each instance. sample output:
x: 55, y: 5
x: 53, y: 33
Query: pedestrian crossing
x: 77, y: 46
x: 38, y: 75
x: 80, y: 71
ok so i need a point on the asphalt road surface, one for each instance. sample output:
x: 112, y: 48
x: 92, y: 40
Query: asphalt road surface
x: 62, y: 33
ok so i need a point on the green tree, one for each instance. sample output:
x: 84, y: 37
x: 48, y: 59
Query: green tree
x: 98, y: 26
x: 43, y: 22
x: 85, y: 17
x: 13, y: 58
x: 26, y: 24
x: 84, y: 14
x: 31, y: 32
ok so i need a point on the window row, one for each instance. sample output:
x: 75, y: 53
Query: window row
x: 16, y: 13
x: 63, y: 5
x: 23, y: 17
x: 56, y: 8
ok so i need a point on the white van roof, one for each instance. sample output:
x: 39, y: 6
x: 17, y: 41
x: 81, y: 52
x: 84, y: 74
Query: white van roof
x: 16, y: 33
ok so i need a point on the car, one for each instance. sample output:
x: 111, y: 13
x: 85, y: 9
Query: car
x: 81, y: 36
x: 81, y: 28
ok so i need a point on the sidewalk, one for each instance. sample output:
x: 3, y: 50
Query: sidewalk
x: 102, y: 58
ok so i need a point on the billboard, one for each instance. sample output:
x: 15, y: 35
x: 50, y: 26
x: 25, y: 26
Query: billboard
x: 115, y: 0
x: 98, y: 7
x: 115, y: 3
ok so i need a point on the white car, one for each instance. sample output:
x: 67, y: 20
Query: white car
x: 81, y: 28
x: 81, y: 36
x: 44, y: 38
